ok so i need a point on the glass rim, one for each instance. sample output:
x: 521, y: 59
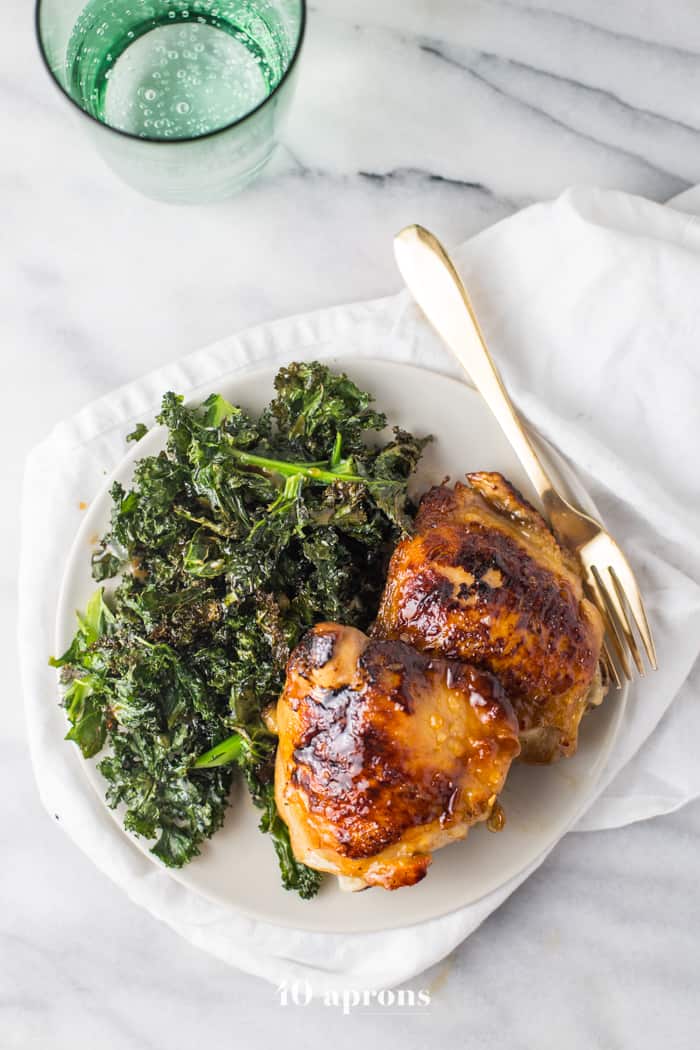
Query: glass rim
x: 171, y: 141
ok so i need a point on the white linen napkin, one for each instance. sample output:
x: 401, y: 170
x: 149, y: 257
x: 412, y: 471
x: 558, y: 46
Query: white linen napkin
x: 591, y: 305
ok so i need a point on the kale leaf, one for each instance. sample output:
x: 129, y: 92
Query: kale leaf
x: 228, y: 546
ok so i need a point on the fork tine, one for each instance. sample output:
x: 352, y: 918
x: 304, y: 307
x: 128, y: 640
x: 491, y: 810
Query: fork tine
x: 611, y: 666
x: 618, y: 608
x: 618, y: 617
x: 628, y: 592
x: 598, y: 592
x: 619, y: 602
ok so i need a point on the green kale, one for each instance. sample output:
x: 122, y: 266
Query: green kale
x: 139, y: 431
x: 313, y: 406
x: 228, y: 546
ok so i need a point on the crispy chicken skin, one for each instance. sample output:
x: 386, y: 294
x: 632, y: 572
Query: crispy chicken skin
x: 484, y: 580
x: 385, y: 754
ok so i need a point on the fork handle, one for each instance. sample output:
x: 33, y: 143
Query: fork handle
x: 438, y: 289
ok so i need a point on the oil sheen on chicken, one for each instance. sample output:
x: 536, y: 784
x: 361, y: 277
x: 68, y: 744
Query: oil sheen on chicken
x: 484, y: 580
x: 385, y: 754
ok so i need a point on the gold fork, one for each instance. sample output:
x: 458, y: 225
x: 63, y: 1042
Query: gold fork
x: 438, y: 289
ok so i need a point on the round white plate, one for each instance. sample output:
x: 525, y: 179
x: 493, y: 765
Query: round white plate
x: 238, y: 867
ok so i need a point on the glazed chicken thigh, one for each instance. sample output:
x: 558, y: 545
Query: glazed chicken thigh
x: 484, y: 580
x: 385, y: 754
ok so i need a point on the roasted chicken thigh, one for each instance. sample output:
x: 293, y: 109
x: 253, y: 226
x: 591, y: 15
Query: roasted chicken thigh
x: 484, y: 580
x: 385, y: 754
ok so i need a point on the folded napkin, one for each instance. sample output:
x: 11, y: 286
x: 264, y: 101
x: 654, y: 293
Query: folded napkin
x: 591, y: 307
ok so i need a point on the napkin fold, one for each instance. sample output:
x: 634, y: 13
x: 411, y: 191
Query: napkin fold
x: 590, y: 304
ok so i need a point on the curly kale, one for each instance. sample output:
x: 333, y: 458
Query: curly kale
x: 228, y: 546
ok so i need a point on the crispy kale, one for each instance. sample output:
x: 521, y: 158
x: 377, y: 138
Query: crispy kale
x: 229, y: 545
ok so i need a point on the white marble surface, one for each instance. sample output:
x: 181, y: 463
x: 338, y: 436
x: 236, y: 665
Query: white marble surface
x: 447, y: 112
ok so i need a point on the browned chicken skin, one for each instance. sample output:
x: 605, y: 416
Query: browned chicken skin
x: 385, y: 754
x: 484, y: 580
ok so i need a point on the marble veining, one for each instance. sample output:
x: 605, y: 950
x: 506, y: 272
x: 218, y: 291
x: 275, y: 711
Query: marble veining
x: 454, y: 113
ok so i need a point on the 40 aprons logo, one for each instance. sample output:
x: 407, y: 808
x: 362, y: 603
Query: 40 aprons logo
x: 301, y: 993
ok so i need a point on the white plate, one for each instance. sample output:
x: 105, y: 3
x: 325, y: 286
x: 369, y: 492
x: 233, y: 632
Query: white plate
x: 238, y: 867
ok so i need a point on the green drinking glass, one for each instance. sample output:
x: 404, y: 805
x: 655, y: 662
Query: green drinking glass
x: 184, y: 98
